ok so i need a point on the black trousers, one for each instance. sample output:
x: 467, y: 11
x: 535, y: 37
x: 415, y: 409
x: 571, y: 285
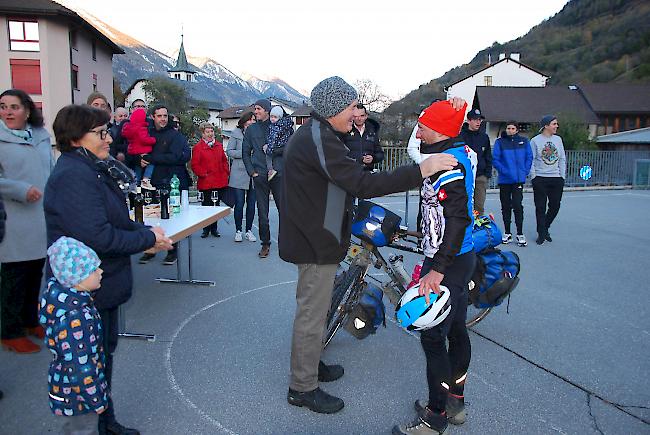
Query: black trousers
x: 110, y: 329
x: 207, y: 201
x: 547, y: 189
x: 448, y: 366
x: 263, y: 188
x: 512, y: 196
x: 20, y: 285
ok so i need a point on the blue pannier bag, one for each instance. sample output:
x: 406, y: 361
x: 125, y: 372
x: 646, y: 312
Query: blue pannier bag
x: 369, y: 313
x: 374, y: 223
x: 486, y: 234
x: 495, y: 277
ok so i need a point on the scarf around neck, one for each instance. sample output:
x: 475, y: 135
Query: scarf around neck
x: 118, y: 171
x: 25, y: 134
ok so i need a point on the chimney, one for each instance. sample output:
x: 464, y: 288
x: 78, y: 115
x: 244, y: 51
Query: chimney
x: 489, y: 58
x: 515, y: 56
x: 502, y: 56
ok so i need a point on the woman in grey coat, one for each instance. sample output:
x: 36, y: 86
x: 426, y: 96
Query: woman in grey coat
x: 26, y: 161
x: 240, y: 181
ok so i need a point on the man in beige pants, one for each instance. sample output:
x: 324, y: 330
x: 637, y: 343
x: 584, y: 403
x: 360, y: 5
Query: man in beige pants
x: 319, y: 184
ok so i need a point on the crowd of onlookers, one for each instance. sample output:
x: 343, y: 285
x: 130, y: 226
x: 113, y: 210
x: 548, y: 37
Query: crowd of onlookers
x: 73, y: 211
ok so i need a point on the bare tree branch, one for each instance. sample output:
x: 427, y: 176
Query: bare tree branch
x: 371, y: 95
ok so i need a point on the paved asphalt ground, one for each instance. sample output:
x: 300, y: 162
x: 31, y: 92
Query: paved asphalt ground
x: 571, y: 357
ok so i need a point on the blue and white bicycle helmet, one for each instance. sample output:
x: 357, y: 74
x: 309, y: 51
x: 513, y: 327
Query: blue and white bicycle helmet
x: 413, y: 313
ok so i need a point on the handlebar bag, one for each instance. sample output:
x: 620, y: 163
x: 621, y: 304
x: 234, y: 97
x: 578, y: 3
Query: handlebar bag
x: 375, y: 224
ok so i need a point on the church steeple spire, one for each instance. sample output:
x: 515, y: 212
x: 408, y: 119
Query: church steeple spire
x: 182, y: 70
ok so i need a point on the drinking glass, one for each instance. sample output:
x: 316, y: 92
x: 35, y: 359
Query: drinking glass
x: 199, y: 197
x: 215, y: 197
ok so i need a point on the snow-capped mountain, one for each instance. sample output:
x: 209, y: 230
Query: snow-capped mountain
x: 274, y: 86
x: 214, y: 82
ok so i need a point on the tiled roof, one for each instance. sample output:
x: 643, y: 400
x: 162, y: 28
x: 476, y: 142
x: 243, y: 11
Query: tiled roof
x: 235, y: 112
x: 617, y: 98
x: 530, y: 104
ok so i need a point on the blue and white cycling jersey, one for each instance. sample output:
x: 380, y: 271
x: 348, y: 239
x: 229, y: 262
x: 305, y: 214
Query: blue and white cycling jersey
x: 447, y: 204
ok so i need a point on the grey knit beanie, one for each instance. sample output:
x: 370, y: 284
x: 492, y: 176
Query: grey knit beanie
x: 331, y: 96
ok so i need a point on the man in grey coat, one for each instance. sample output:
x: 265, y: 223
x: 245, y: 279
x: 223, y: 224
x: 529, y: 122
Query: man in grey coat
x: 255, y: 161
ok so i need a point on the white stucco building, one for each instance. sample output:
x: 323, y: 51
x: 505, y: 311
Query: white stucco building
x: 507, y: 71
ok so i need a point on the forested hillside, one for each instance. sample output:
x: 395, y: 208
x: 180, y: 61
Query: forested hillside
x: 587, y: 41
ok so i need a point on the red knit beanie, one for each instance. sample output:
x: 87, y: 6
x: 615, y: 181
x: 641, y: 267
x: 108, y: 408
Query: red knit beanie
x: 443, y: 118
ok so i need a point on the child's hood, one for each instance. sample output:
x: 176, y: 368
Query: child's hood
x: 57, y: 300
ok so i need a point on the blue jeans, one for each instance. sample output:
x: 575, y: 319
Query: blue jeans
x: 242, y: 195
x: 145, y: 172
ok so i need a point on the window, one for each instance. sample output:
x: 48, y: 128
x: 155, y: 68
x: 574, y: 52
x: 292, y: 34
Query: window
x: 487, y: 80
x: 75, y: 77
x: 94, y: 50
x: 177, y: 76
x: 73, y: 39
x: 26, y: 75
x: 94, y: 82
x: 23, y: 35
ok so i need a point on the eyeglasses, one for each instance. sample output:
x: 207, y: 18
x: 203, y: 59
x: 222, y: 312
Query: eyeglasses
x: 101, y: 133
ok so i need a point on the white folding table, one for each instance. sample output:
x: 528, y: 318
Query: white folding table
x: 178, y: 227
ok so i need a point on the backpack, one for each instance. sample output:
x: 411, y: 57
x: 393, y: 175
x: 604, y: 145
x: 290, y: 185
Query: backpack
x: 369, y: 313
x: 485, y: 233
x: 496, y: 275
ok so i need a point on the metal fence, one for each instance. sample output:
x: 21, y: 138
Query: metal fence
x: 608, y: 168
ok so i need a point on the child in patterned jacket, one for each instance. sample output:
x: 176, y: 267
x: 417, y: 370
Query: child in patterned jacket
x: 73, y: 333
x: 280, y: 131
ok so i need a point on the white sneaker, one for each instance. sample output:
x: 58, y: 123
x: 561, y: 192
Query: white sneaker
x: 521, y: 240
x: 250, y: 237
x: 238, y: 237
x: 507, y: 238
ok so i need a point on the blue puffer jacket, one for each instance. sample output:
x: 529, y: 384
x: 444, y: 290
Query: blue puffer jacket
x: 73, y: 333
x: 84, y: 202
x: 512, y: 158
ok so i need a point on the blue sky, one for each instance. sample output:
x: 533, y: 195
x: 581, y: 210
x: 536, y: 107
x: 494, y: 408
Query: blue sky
x: 398, y: 45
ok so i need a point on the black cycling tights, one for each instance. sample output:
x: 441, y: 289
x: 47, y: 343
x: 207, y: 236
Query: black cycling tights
x: 447, y: 369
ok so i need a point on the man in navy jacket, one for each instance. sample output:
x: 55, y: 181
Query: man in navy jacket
x: 475, y: 137
x: 512, y: 159
x: 363, y: 139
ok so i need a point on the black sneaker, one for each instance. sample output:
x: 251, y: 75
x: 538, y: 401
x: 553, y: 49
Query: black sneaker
x: 547, y: 237
x: 329, y: 373
x: 216, y: 233
x: 205, y: 234
x: 455, y: 409
x: 146, y: 258
x: 540, y: 239
x: 316, y: 400
x: 427, y: 423
x: 170, y: 259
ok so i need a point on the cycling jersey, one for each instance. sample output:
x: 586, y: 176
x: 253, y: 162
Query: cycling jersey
x: 447, y: 204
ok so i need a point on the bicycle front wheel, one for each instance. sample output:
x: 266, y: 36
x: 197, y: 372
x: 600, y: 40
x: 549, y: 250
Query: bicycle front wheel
x: 345, y: 296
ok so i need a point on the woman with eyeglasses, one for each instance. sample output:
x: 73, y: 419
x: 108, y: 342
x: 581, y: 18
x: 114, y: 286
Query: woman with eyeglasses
x: 85, y: 199
x: 25, y: 164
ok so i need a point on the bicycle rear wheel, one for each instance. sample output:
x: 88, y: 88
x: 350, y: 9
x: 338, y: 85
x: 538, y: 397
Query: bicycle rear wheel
x: 345, y: 296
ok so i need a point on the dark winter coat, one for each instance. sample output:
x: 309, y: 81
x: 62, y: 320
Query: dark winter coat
x: 73, y: 333
x: 320, y: 182
x: 368, y: 143
x: 170, y: 154
x: 119, y: 144
x: 480, y: 143
x: 210, y: 164
x: 83, y: 202
x: 253, y: 155
x: 512, y: 158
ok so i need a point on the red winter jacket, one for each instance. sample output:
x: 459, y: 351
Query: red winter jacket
x: 210, y: 165
x: 136, y: 131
